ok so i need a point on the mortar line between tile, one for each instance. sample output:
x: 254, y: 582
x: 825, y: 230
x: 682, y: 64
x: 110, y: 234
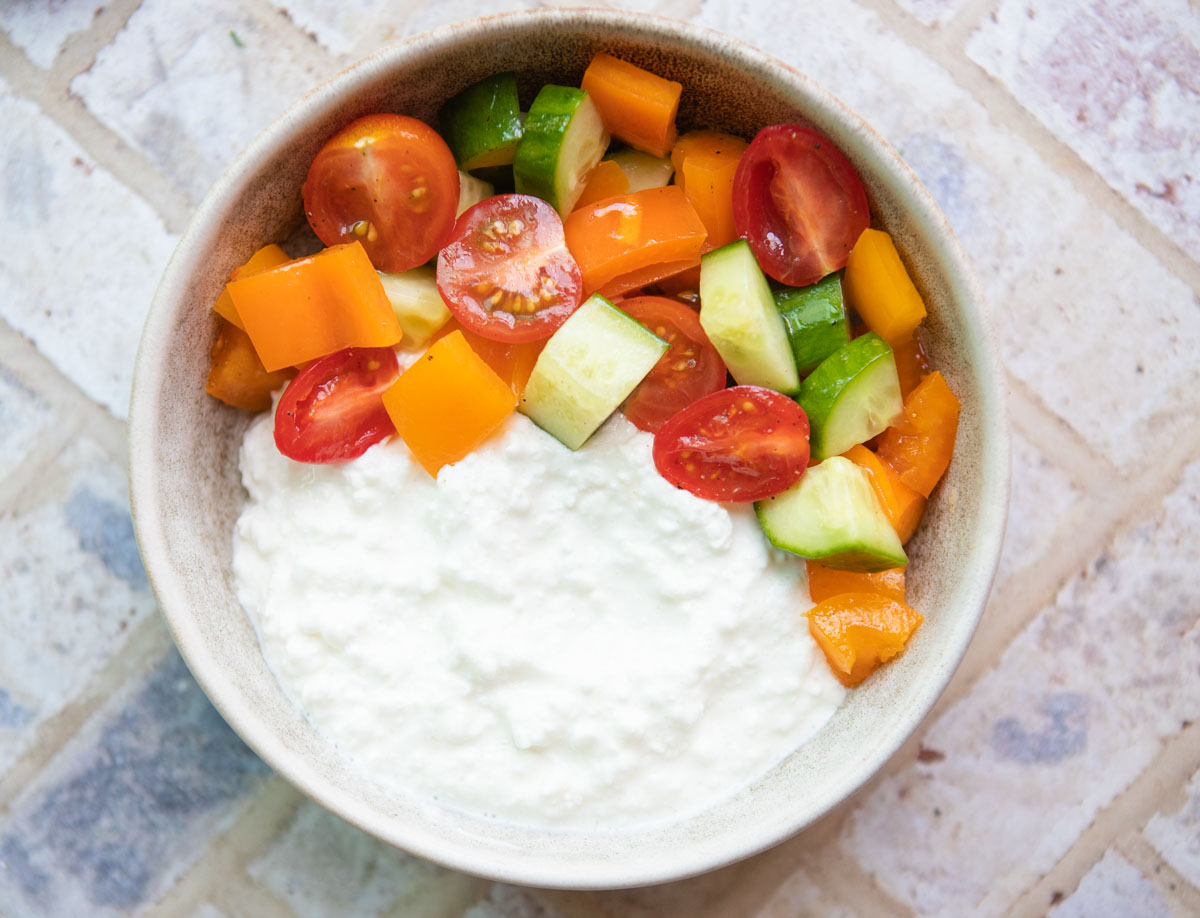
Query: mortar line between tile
x: 101, y: 143
x: 1065, y: 446
x: 238, y: 896
x: 1128, y: 812
x: 228, y: 853
x: 1017, y: 602
x: 80, y: 49
x: 137, y: 655
x: 1172, y: 885
x: 947, y: 48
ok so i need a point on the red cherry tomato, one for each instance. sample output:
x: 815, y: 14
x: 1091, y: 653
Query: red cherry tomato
x: 389, y: 182
x: 690, y: 369
x: 333, y: 410
x: 742, y: 443
x: 799, y: 203
x: 506, y: 272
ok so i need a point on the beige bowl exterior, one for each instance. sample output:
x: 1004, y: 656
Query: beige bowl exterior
x: 186, y: 492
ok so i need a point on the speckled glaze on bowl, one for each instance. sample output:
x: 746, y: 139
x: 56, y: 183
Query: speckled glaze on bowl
x: 186, y: 491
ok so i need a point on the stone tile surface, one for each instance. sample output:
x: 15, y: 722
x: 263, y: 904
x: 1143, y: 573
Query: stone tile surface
x: 325, y: 868
x: 1176, y: 834
x: 126, y: 806
x: 24, y: 414
x: 1046, y: 286
x: 933, y: 12
x: 1117, y: 80
x: 1043, y: 494
x: 41, y: 27
x: 347, y: 27
x: 145, y: 85
x: 504, y: 901
x: 1078, y: 705
x: 82, y: 254
x: 73, y: 586
x: 1114, y: 888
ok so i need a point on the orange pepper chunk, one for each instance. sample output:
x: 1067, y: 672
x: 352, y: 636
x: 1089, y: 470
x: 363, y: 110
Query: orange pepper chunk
x: 314, y: 306
x: 912, y: 363
x: 859, y: 631
x: 904, y: 506
x: 879, y: 289
x: 237, y: 376
x: 447, y: 403
x: 607, y: 180
x: 920, y: 444
x: 634, y: 239
x: 637, y: 106
x: 705, y: 163
x: 824, y: 582
x: 512, y: 361
x: 269, y: 256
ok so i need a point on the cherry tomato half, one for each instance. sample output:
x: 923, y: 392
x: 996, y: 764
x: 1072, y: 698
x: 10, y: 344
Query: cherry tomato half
x: 333, y: 410
x: 742, y: 443
x: 799, y: 203
x: 506, y: 273
x: 389, y: 182
x: 689, y: 370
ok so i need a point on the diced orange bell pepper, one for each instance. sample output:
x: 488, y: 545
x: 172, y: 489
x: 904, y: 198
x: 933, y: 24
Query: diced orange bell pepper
x: 633, y: 240
x: 920, y: 444
x: 904, y: 506
x: 269, y: 256
x: 858, y: 631
x: 879, y: 289
x: 912, y: 363
x: 606, y: 181
x: 705, y: 163
x: 237, y: 376
x: 447, y: 403
x: 637, y: 106
x: 512, y: 361
x: 314, y: 306
x: 824, y: 582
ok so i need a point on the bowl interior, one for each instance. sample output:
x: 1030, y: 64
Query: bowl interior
x: 187, y: 493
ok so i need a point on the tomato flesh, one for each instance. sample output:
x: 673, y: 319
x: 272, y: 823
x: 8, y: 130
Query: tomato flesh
x: 389, y: 182
x: 506, y: 273
x: 738, y: 444
x: 333, y: 410
x: 689, y: 370
x: 799, y: 203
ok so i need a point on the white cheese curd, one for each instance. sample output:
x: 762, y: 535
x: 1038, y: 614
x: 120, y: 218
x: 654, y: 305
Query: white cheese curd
x: 543, y: 636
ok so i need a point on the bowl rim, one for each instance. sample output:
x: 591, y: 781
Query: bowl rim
x: 419, y: 840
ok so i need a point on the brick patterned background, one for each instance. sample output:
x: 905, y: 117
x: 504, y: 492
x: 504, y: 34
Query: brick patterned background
x: 1059, y: 774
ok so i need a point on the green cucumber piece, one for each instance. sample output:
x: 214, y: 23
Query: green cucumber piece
x: 815, y: 319
x: 643, y: 170
x: 587, y: 368
x: 482, y: 124
x: 471, y: 191
x: 564, y: 139
x: 417, y: 304
x: 852, y: 396
x: 739, y: 316
x: 832, y: 515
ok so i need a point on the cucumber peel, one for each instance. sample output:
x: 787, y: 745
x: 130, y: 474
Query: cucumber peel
x: 832, y: 515
x: 564, y: 139
x: 815, y: 319
x: 482, y: 124
x: 852, y: 396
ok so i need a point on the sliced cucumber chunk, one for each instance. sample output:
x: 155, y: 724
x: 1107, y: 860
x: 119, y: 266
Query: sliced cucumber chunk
x: 852, y: 396
x: 815, y: 319
x: 739, y: 316
x: 564, y: 139
x: 482, y: 124
x: 832, y: 515
x: 418, y: 305
x: 471, y: 191
x: 587, y: 368
x: 643, y: 170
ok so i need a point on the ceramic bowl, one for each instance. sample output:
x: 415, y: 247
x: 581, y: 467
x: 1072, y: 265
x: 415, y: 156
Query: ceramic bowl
x: 186, y: 491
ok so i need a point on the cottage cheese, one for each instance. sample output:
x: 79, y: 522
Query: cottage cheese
x: 544, y: 636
